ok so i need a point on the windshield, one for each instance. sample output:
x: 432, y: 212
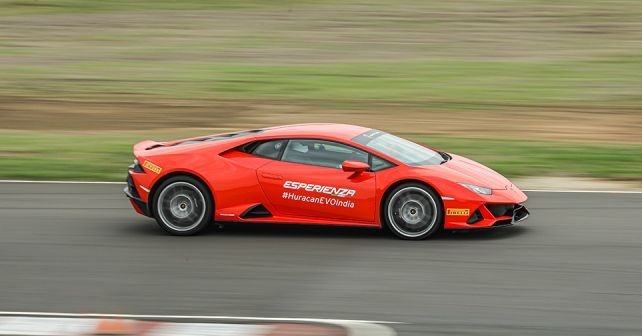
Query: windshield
x: 400, y: 149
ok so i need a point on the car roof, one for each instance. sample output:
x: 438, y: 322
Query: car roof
x: 339, y: 131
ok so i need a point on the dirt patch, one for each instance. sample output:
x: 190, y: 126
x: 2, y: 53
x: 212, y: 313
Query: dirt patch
x: 340, y: 32
x: 518, y: 122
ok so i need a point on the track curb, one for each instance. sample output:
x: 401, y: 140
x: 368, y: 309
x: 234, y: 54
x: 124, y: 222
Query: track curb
x: 58, y: 324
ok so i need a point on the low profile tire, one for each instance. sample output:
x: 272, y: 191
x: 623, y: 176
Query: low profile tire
x: 183, y: 206
x: 413, y: 211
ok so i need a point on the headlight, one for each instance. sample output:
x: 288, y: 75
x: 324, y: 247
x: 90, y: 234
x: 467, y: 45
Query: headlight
x: 477, y: 189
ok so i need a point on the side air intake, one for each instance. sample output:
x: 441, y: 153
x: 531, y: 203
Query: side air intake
x: 256, y: 211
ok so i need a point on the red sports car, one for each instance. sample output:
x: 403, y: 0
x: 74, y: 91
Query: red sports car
x: 328, y: 174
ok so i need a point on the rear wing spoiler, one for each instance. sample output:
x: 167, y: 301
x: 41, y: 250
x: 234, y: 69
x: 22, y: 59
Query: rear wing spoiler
x: 142, y: 146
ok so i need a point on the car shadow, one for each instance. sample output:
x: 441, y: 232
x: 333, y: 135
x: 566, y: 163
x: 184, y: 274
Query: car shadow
x: 483, y: 234
x: 149, y: 227
x: 145, y: 226
x: 297, y: 230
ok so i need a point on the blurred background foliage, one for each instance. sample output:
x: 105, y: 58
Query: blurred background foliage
x: 530, y: 87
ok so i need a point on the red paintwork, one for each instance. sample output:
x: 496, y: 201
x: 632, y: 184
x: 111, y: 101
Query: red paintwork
x: 238, y: 180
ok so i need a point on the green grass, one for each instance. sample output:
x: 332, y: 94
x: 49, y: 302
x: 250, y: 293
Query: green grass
x: 543, y: 158
x: 34, y: 155
x: 444, y: 84
x: 73, y: 156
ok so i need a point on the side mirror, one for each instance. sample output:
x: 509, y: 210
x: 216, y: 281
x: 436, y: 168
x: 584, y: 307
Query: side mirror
x: 354, y: 166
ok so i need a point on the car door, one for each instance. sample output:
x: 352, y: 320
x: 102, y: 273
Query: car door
x: 308, y: 181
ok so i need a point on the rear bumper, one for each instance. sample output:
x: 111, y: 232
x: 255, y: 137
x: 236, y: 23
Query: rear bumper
x: 134, y: 198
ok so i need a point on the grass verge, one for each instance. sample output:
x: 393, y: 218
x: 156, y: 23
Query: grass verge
x: 105, y: 157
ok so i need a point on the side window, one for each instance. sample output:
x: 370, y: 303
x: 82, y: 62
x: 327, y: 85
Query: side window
x: 269, y: 149
x: 379, y: 164
x: 321, y: 153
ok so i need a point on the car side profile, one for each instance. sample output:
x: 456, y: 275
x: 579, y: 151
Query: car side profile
x: 322, y: 174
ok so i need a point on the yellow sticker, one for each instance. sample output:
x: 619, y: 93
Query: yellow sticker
x: 458, y: 212
x: 156, y: 169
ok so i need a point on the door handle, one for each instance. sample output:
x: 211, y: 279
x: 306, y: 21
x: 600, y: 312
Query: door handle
x: 272, y: 176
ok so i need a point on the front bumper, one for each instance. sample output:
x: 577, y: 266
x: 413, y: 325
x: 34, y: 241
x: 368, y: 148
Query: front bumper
x: 520, y: 213
x: 503, y: 208
x: 487, y: 216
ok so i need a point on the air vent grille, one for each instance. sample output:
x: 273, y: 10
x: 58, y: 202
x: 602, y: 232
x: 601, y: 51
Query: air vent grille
x: 256, y: 211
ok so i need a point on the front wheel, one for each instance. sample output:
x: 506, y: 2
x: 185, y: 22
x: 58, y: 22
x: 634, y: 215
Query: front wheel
x: 183, y: 206
x: 413, y: 211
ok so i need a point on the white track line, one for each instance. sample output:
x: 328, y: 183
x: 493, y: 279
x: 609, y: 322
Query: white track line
x: 526, y: 190
x: 191, y: 317
x: 586, y: 191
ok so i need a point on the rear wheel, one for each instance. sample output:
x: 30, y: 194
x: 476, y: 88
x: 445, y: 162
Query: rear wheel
x: 183, y: 206
x: 413, y: 211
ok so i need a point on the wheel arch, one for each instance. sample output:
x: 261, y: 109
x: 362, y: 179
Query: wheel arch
x: 390, y: 188
x: 154, y: 189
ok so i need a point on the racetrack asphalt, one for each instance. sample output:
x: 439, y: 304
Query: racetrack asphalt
x: 573, y: 268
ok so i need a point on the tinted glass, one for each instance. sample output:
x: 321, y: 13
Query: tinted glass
x: 321, y: 153
x: 269, y: 149
x: 403, y: 150
x: 379, y: 164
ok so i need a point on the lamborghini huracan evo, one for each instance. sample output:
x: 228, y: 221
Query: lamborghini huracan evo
x: 323, y: 174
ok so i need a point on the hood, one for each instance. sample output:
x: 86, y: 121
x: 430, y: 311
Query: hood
x: 468, y: 171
